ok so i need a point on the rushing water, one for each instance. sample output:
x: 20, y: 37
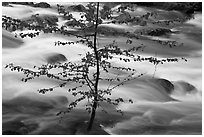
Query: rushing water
x: 154, y: 110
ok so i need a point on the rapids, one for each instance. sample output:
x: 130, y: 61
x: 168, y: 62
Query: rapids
x: 167, y: 99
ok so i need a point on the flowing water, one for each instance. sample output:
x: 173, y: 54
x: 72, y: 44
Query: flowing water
x: 157, y: 109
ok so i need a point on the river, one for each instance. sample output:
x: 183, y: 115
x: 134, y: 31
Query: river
x: 154, y: 111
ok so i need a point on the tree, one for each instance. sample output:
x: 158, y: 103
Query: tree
x: 89, y: 72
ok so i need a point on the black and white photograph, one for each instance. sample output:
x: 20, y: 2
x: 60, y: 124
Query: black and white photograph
x: 101, y: 68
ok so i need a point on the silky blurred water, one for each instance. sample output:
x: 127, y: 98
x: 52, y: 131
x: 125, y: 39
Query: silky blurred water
x: 154, y: 110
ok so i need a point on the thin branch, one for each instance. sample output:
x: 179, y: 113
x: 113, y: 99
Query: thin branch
x: 103, y: 109
x: 89, y: 80
x: 88, y: 83
x: 155, y: 67
x: 121, y: 83
x: 112, y: 81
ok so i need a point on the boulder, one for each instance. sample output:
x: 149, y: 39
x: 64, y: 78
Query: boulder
x: 167, y: 85
x: 153, y: 31
x: 6, y: 4
x: 185, y: 86
x: 136, y: 20
x: 56, y: 58
x: 124, y: 17
x: 42, y: 5
x: 50, y: 20
x: 143, y: 23
x: 159, y: 32
x: 109, y: 30
x: 78, y: 8
x: 42, y: 20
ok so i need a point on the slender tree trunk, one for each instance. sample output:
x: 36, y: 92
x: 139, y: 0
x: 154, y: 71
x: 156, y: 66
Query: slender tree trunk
x: 93, y: 113
x: 95, y: 102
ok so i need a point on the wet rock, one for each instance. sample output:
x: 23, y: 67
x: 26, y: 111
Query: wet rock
x: 42, y: 20
x: 136, y: 20
x: 56, y: 58
x: 50, y: 20
x: 110, y: 31
x: 124, y: 17
x: 143, y: 23
x: 185, y: 86
x: 42, y: 5
x: 6, y: 4
x: 73, y: 23
x: 78, y: 8
x: 167, y: 85
x: 159, y: 32
x: 153, y: 31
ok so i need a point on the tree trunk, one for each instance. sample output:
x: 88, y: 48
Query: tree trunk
x: 95, y: 102
x: 93, y: 113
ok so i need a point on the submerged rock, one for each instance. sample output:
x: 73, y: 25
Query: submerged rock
x: 56, y: 58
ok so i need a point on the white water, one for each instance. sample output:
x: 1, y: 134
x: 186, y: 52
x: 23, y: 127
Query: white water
x: 197, y: 21
x: 153, y: 112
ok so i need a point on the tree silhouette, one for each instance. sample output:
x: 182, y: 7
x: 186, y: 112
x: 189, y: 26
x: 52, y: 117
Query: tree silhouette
x: 89, y: 72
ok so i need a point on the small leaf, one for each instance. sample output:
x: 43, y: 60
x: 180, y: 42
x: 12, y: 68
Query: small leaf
x: 131, y: 101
